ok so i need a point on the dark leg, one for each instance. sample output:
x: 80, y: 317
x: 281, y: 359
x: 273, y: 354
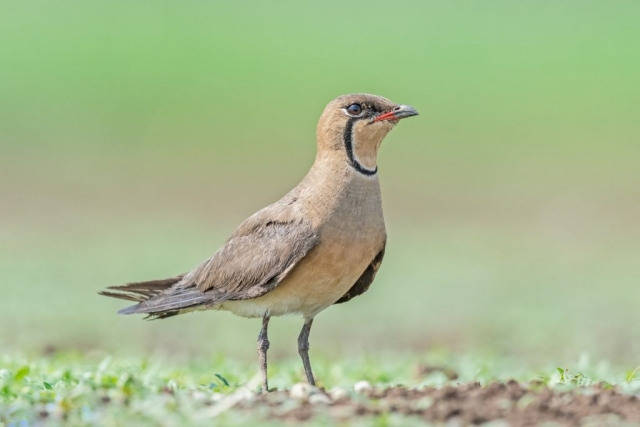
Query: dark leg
x: 303, y: 349
x: 263, y: 346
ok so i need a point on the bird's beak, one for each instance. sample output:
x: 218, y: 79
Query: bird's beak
x: 400, y: 112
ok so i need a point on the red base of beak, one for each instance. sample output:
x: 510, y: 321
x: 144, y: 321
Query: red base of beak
x: 400, y: 112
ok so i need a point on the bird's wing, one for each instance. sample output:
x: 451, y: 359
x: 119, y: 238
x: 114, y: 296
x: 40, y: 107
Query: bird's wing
x: 255, y: 259
x: 365, y: 280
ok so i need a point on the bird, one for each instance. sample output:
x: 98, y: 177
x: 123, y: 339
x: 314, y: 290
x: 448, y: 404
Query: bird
x: 321, y: 244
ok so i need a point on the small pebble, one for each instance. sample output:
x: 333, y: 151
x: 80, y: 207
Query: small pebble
x: 319, y: 399
x: 362, y: 387
x: 302, y: 391
x: 338, y: 393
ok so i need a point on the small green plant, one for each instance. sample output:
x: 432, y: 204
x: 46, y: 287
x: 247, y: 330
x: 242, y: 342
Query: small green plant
x: 568, y: 377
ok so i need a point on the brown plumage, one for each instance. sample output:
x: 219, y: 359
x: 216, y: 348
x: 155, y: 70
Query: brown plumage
x: 321, y: 244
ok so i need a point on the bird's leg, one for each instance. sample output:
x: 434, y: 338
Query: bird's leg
x: 263, y: 346
x: 303, y: 349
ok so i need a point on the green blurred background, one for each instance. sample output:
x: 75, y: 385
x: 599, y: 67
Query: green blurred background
x: 134, y: 137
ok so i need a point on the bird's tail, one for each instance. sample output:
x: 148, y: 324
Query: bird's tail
x: 141, y: 292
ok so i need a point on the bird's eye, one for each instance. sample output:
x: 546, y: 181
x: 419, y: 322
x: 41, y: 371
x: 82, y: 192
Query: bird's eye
x: 354, y: 109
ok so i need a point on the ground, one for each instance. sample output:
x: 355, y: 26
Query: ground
x: 70, y: 389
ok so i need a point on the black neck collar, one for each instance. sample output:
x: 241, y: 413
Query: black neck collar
x: 348, y: 146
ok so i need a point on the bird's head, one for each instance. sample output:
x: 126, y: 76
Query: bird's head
x: 356, y: 125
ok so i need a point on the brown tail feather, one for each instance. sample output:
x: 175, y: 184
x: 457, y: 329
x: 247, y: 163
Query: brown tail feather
x: 157, y: 300
x: 141, y: 291
x: 168, y: 303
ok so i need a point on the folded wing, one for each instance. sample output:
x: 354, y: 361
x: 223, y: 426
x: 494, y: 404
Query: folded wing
x: 256, y: 258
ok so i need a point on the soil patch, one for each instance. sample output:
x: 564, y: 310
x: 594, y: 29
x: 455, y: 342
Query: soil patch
x: 465, y: 404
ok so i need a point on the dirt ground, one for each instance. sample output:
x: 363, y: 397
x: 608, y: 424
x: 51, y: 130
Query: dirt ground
x: 510, y: 403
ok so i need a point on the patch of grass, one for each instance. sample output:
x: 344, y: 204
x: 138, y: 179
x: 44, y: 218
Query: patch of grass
x: 135, y: 137
x: 72, y: 389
